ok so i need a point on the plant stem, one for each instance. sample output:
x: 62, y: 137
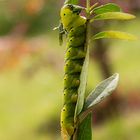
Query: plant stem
x: 88, y: 7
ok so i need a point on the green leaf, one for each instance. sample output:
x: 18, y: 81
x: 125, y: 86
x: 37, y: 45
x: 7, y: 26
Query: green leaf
x: 110, y: 7
x: 85, y: 129
x: 71, y: 2
x: 114, y: 35
x: 103, y: 90
x: 82, y: 86
x: 114, y: 15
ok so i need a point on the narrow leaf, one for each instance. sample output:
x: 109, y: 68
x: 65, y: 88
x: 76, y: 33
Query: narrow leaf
x: 93, y: 7
x: 110, y: 7
x: 82, y: 87
x: 85, y: 129
x: 114, y: 15
x: 114, y: 35
x: 71, y: 2
x: 103, y: 90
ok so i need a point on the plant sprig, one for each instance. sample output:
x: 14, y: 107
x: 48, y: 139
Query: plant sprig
x: 84, y: 107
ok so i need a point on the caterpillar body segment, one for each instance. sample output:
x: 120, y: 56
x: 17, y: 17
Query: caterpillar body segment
x: 71, y: 81
x: 70, y: 96
x: 75, y: 53
x: 75, y: 41
x: 75, y: 26
x: 73, y: 66
x: 78, y: 31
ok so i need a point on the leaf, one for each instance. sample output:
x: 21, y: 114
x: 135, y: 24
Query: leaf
x: 103, y: 90
x: 114, y: 15
x: 110, y: 7
x: 114, y: 35
x: 85, y: 129
x: 71, y: 2
x: 82, y: 86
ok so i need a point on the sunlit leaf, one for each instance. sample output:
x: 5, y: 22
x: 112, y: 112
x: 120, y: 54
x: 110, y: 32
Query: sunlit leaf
x: 114, y: 15
x: 110, y: 7
x: 103, y: 90
x: 72, y: 2
x: 114, y: 35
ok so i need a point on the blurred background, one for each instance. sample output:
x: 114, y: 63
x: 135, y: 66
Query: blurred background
x: 31, y: 73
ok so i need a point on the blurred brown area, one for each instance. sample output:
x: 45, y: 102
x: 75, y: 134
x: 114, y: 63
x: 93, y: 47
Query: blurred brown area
x: 20, y: 19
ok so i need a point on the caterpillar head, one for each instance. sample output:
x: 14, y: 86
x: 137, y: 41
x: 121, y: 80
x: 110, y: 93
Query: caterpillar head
x: 69, y: 13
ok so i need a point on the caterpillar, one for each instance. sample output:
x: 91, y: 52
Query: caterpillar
x: 74, y: 26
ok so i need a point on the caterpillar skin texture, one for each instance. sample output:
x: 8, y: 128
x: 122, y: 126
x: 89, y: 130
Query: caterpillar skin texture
x: 75, y: 26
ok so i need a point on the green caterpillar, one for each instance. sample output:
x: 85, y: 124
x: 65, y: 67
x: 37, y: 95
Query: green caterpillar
x: 74, y: 26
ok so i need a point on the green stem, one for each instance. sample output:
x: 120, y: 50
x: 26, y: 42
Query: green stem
x: 88, y: 7
x: 88, y: 22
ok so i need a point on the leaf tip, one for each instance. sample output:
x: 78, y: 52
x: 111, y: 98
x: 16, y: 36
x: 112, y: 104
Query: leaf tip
x: 133, y: 16
x: 117, y: 77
